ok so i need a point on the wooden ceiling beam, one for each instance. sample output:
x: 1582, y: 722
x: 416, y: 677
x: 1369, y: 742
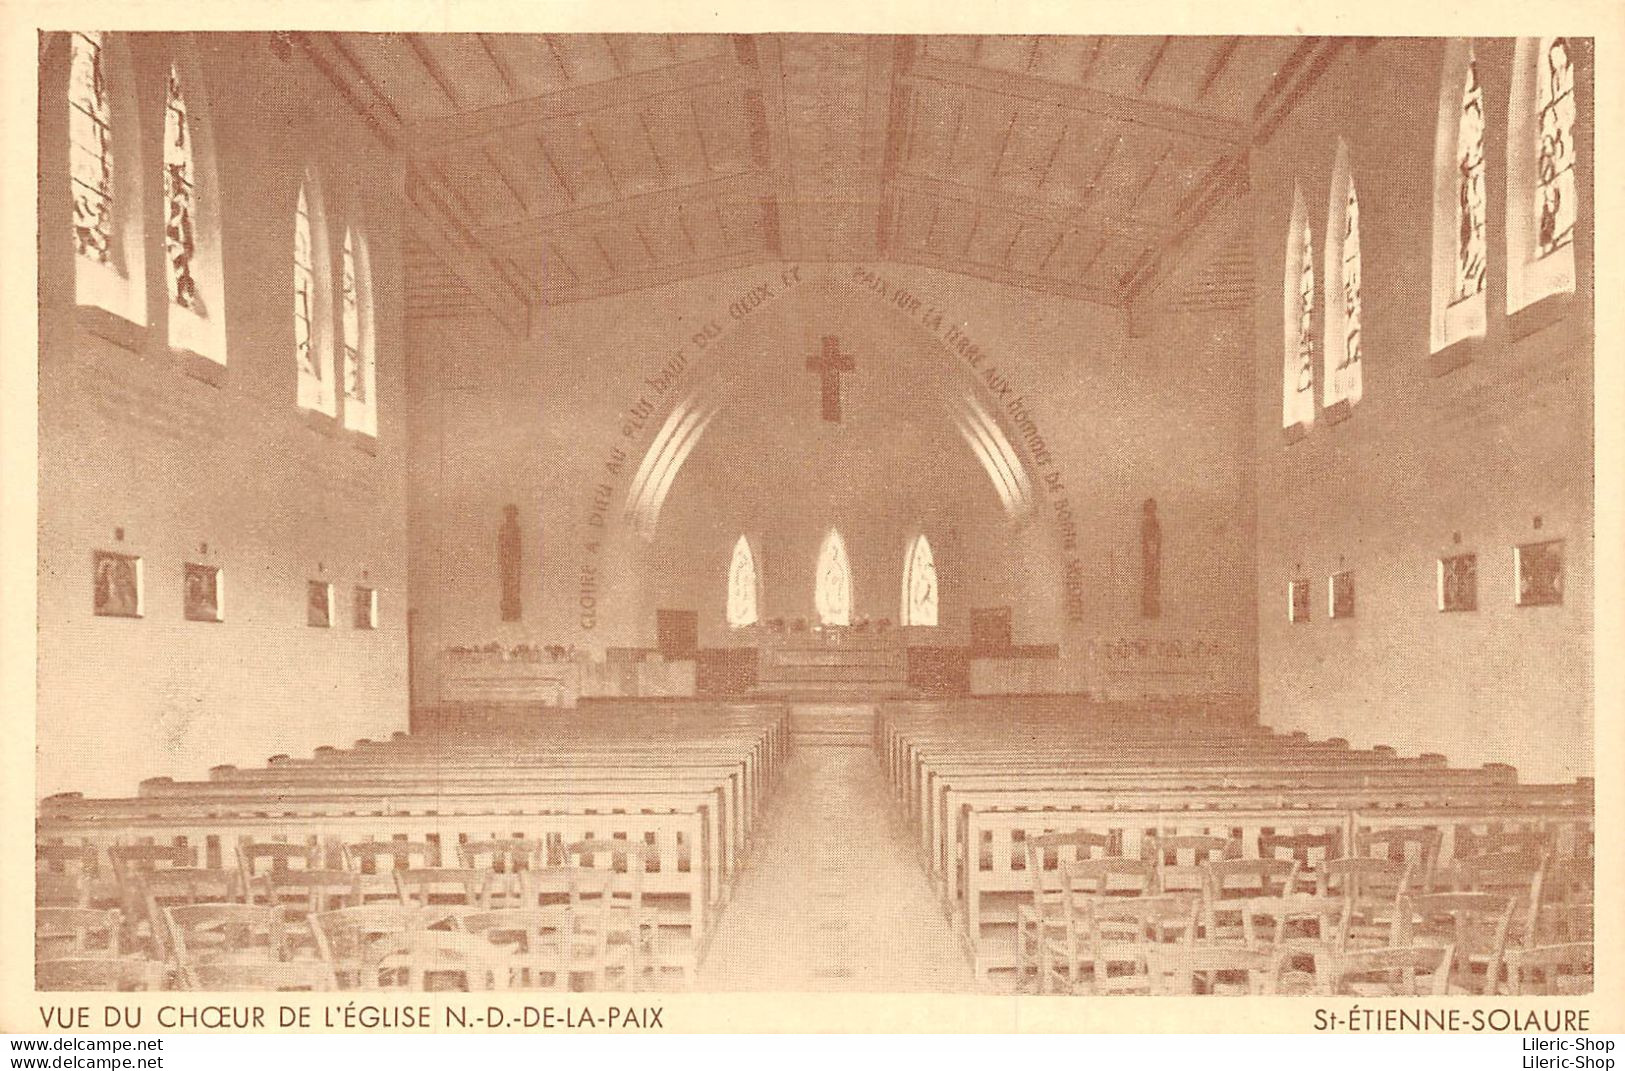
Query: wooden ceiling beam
x: 631, y: 281
x: 1043, y: 284
x: 744, y: 185
x: 1289, y: 84
x: 437, y: 74
x: 1148, y: 69
x: 768, y: 54
x: 1054, y: 213
x: 576, y: 102
x: 1216, y: 65
x: 934, y: 74
x: 499, y: 63
x: 436, y: 226
x: 386, y: 132
x: 889, y: 131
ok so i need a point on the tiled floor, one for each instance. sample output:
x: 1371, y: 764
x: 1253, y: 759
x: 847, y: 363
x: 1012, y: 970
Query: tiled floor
x: 832, y: 898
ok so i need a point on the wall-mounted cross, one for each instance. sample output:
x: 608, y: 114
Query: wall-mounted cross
x: 829, y: 363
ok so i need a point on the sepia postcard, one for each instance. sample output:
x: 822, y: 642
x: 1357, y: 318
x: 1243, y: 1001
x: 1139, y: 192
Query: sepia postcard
x: 843, y: 520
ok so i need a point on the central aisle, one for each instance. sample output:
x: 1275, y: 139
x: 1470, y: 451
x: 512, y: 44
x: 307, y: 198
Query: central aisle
x: 832, y: 899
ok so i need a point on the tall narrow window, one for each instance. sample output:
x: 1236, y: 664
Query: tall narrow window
x: 832, y: 593
x: 1554, y: 170
x: 103, y: 157
x: 180, y: 228
x: 1298, y: 368
x: 1472, y: 248
x: 90, y: 148
x: 311, y: 334
x: 1542, y: 193
x: 742, y: 585
x: 360, y: 371
x: 919, y: 585
x: 1460, y: 204
x: 1342, y: 375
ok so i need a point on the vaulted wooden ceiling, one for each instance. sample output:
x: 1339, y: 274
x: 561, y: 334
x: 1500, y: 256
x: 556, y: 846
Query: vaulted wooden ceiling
x: 551, y: 168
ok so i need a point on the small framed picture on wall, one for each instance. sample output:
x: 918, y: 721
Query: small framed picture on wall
x: 204, y: 595
x: 366, y: 608
x: 1298, y: 602
x: 1458, y: 583
x: 319, y: 604
x: 116, y: 587
x: 1538, y: 573
x: 1340, y: 594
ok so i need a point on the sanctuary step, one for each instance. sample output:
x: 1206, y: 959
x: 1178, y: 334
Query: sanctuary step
x: 832, y: 724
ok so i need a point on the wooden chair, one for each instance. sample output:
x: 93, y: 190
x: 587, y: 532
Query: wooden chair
x: 1416, y: 845
x: 1311, y: 851
x: 63, y: 874
x: 1198, y: 968
x: 76, y: 933
x: 559, y: 943
x: 1060, y: 958
x: 224, y: 933
x: 1371, y: 891
x: 1508, y: 873
x: 1415, y: 970
x: 1562, y: 969
x: 633, y: 932
x: 1044, y: 921
x: 375, y: 861
x: 504, y: 857
x: 1474, y: 925
x: 1291, y: 929
x: 344, y: 937
x: 423, y: 960
x: 159, y: 889
x: 257, y: 858
x: 295, y: 975
x: 1181, y: 859
x: 443, y: 887
x: 1565, y: 909
x: 100, y: 975
x: 307, y: 892
x: 1119, y: 931
x: 1242, y: 880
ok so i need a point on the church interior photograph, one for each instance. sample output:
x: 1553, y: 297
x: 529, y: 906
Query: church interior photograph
x: 1068, y: 515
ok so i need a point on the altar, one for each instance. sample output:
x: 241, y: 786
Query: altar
x: 832, y: 662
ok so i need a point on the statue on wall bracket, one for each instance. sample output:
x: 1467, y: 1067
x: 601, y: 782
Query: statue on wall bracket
x: 1151, y: 561
x: 509, y: 563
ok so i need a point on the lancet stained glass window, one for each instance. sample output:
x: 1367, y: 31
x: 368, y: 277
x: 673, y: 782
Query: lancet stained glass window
x: 832, y: 594
x: 1471, y: 243
x: 1554, y: 176
x: 1349, y: 363
x: 919, y: 585
x: 355, y: 372
x: 180, y: 227
x: 304, y: 291
x: 742, y: 610
x: 90, y: 144
x: 1305, y: 384
x: 1297, y: 321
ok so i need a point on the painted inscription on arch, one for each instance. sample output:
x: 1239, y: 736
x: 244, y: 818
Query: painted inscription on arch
x: 642, y: 416
x: 1002, y: 387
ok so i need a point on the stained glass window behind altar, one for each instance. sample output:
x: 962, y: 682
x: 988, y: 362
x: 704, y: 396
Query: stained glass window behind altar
x: 919, y: 585
x: 742, y: 609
